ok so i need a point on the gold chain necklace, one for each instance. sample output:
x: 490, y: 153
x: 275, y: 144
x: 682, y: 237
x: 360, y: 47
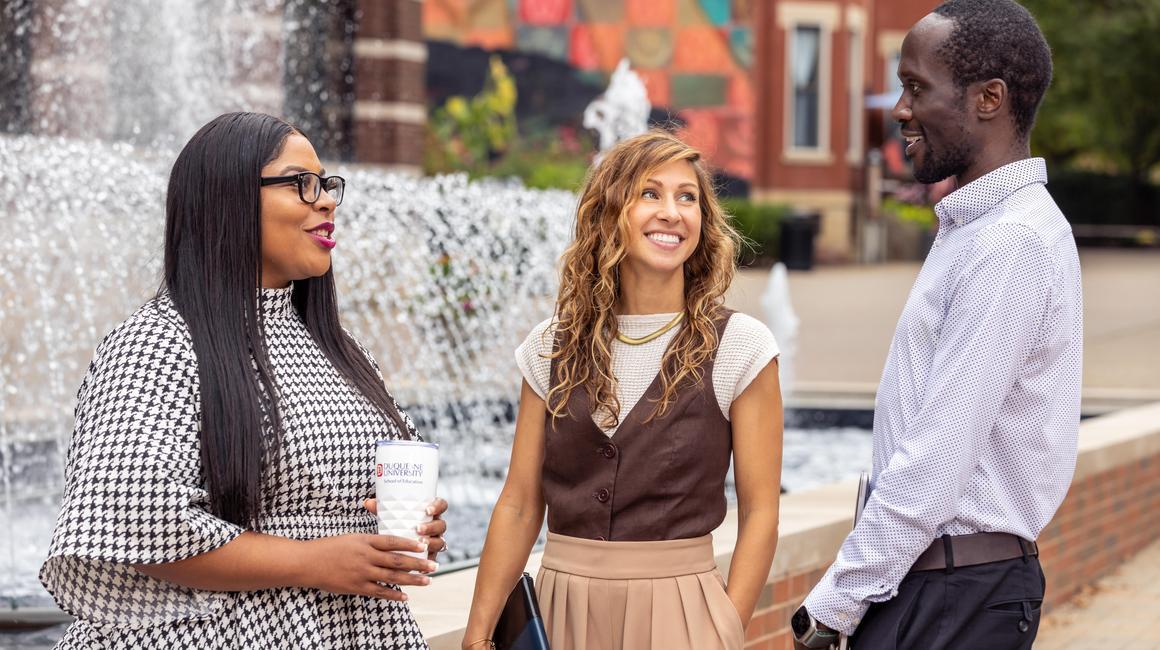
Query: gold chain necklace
x: 650, y: 337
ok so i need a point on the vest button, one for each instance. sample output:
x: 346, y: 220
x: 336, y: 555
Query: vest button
x: 602, y: 495
x: 608, y: 450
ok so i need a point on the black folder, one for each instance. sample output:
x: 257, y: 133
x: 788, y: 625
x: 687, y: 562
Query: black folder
x: 520, y: 626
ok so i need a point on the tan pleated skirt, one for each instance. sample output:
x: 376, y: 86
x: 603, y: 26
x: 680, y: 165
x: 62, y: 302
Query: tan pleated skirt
x: 635, y: 595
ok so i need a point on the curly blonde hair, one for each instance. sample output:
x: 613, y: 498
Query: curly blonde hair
x: 590, y: 283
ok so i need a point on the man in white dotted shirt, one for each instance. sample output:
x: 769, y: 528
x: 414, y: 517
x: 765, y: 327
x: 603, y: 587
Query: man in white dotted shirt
x: 977, y: 412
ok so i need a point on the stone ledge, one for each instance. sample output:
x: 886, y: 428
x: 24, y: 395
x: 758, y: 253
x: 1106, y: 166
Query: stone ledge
x: 1117, y: 438
x: 1096, y: 400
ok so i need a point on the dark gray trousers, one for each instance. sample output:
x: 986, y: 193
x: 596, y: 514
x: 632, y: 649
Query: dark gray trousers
x: 983, y: 607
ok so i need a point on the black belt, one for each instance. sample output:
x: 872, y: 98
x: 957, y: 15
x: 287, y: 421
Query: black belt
x: 969, y: 550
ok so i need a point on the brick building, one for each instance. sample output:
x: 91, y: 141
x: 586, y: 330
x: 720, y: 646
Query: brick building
x: 773, y: 91
x: 694, y: 56
x: 816, y: 63
x: 389, y: 109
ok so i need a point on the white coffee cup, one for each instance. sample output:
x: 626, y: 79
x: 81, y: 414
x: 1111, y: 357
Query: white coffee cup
x: 406, y: 477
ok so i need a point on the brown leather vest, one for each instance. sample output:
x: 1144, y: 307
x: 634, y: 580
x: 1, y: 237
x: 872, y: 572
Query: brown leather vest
x: 656, y: 480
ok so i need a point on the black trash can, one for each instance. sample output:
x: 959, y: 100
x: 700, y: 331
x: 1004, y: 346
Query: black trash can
x: 797, y: 240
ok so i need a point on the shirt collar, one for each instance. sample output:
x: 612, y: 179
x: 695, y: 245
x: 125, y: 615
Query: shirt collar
x: 276, y: 303
x: 980, y: 195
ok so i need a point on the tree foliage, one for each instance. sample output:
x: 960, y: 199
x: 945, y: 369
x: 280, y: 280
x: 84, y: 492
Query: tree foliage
x: 1102, y: 109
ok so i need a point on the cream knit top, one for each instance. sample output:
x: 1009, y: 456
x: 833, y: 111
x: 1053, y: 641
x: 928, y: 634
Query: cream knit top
x: 746, y: 347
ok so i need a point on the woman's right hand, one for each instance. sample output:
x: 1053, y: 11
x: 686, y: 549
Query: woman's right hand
x: 360, y: 564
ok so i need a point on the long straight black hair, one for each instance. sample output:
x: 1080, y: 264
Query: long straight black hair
x: 213, y: 260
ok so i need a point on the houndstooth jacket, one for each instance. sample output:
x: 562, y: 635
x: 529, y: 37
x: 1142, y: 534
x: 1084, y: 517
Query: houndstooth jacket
x: 134, y: 494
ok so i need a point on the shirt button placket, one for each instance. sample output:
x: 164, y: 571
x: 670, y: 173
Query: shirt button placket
x: 609, y: 452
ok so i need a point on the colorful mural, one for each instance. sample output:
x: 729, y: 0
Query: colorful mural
x: 693, y: 55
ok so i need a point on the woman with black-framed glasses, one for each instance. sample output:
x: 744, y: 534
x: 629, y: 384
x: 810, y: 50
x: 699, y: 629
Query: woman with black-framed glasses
x: 219, y: 475
x: 310, y: 185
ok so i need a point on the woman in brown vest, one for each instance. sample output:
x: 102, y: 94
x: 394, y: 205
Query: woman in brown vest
x: 636, y: 392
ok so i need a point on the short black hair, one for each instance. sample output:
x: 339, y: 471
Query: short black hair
x: 998, y: 39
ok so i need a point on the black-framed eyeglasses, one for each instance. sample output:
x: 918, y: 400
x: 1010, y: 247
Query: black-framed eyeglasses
x: 310, y: 185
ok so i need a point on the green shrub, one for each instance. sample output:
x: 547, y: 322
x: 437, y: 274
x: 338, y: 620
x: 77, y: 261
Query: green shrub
x: 479, y: 135
x: 921, y: 215
x: 760, y: 225
x: 542, y: 167
x: 466, y: 133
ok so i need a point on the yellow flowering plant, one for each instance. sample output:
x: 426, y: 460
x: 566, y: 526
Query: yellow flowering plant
x: 468, y: 133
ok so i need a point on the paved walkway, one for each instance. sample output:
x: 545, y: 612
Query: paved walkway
x: 848, y: 315
x: 1120, y: 611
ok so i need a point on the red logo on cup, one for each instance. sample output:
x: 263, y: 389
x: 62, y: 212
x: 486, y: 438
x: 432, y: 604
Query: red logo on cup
x: 379, y: 469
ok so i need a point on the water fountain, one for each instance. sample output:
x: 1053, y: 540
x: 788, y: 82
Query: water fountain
x: 429, y: 268
x: 427, y: 286
x: 440, y: 277
x: 782, y: 320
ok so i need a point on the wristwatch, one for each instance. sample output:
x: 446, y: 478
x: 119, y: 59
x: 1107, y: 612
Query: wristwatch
x: 809, y: 632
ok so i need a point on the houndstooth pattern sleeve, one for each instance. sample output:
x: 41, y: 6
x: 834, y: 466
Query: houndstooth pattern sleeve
x: 133, y: 490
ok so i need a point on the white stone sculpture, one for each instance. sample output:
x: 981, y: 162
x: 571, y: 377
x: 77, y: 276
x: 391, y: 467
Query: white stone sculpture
x: 622, y: 111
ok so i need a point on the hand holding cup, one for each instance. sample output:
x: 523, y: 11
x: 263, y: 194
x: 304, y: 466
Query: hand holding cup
x: 406, y: 475
x: 432, y: 531
x: 365, y: 565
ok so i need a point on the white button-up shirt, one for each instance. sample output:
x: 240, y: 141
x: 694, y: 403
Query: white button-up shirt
x: 977, y: 413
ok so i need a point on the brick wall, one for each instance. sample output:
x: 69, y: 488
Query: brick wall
x: 769, y: 627
x: 1107, y: 517
x: 389, y: 83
